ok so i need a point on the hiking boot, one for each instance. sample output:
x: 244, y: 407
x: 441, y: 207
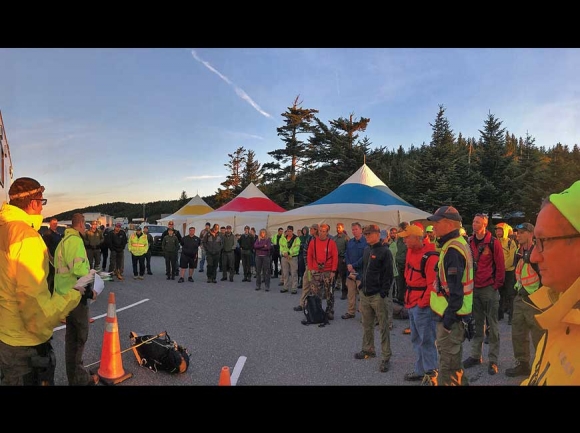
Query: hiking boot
x: 168, y: 277
x: 471, y: 362
x: 330, y: 316
x: 149, y: 273
x: 347, y: 316
x: 298, y: 308
x: 492, y: 368
x: 384, y: 366
x: 181, y: 280
x: 94, y: 379
x: 293, y: 292
x: 519, y: 370
x: 135, y: 277
x: 201, y: 270
x: 141, y: 277
x: 190, y: 279
x: 283, y: 290
x: 413, y: 377
x: 258, y: 288
x: 363, y: 354
x: 224, y: 279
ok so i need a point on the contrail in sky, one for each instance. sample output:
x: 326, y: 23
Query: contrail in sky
x: 239, y: 91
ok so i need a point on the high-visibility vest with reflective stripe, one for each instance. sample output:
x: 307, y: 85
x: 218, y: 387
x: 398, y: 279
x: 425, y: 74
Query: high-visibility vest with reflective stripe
x: 438, y: 300
x: 138, y: 246
x: 526, y: 277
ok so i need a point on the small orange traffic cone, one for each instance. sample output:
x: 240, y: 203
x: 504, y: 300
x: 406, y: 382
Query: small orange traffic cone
x: 225, y: 377
x: 111, y: 367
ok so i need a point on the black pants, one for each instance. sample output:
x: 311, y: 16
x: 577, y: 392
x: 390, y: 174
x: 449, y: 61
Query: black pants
x: 105, y: 253
x: 141, y: 260
x: 275, y: 262
x: 171, y: 264
x: 247, y: 264
x: 76, y: 336
x: 148, y: 261
x: 212, y: 265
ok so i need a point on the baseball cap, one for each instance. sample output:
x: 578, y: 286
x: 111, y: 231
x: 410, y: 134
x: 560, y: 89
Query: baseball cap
x: 411, y: 230
x: 371, y: 228
x: 314, y: 226
x: 138, y: 228
x: 448, y: 212
x: 567, y: 203
x: 525, y: 227
x: 118, y: 225
x: 429, y: 229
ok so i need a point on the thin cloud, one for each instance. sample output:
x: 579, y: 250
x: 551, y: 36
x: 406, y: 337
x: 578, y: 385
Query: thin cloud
x: 243, y: 95
x: 204, y: 176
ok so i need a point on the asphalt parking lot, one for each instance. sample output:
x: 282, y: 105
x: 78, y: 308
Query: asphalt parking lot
x: 254, y: 333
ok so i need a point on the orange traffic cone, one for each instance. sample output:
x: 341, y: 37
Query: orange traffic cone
x: 225, y: 377
x: 111, y: 367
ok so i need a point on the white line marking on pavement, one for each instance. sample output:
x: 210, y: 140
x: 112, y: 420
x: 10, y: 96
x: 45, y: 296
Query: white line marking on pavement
x: 237, y: 370
x: 58, y: 328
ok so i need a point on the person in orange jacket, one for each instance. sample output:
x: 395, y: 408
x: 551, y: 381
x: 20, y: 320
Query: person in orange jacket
x: 419, y: 277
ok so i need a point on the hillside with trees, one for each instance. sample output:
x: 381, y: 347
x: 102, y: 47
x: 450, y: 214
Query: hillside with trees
x: 493, y: 173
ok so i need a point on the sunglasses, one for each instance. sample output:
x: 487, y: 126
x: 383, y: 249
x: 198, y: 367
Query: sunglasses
x: 41, y: 200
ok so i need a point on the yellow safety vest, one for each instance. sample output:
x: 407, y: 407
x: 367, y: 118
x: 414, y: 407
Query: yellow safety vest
x: 138, y: 246
x: 438, y: 300
x: 526, y: 277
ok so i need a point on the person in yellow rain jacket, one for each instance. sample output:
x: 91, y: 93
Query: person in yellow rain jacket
x: 138, y: 246
x: 28, y: 312
x: 557, y: 253
x: 506, y: 291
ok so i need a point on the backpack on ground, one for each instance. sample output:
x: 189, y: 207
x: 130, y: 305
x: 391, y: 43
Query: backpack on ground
x: 314, y: 312
x: 159, y: 352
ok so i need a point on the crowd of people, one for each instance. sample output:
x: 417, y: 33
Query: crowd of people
x: 453, y: 286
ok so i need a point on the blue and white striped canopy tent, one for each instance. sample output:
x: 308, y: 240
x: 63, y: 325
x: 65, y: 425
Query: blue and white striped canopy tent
x: 363, y: 197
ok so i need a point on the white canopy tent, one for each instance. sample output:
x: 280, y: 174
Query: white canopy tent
x: 363, y: 197
x: 194, y: 207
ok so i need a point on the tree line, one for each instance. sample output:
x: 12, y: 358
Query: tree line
x: 495, y: 172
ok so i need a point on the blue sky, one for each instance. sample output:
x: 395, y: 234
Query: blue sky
x: 138, y: 125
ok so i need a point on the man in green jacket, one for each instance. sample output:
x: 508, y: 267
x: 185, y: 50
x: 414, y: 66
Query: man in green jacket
x: 70, y: 264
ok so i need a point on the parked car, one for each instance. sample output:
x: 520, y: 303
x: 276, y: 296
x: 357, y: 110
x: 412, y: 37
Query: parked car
x: 156, y: 231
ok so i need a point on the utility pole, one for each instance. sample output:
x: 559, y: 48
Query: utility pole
x: 143, y: 212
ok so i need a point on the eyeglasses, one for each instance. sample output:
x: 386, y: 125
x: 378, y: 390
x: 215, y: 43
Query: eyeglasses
x: 41, y: 200
x: 170, y: 224
x: 540, y: 241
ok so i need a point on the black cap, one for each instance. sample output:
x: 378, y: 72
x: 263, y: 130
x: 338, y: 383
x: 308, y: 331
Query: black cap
x: 448, y: 212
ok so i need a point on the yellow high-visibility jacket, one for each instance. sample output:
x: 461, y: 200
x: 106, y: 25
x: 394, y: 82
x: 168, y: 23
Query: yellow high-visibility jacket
x: 28, y: 312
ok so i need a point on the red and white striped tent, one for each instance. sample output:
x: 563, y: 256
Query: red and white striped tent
x: 251, y: 207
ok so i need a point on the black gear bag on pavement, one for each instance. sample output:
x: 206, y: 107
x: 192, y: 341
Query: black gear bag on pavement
x: 314, y: 312
x: 159, y: 352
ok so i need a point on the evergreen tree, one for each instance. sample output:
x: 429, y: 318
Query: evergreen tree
x: 252, y: 171
x: 287, y: 165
